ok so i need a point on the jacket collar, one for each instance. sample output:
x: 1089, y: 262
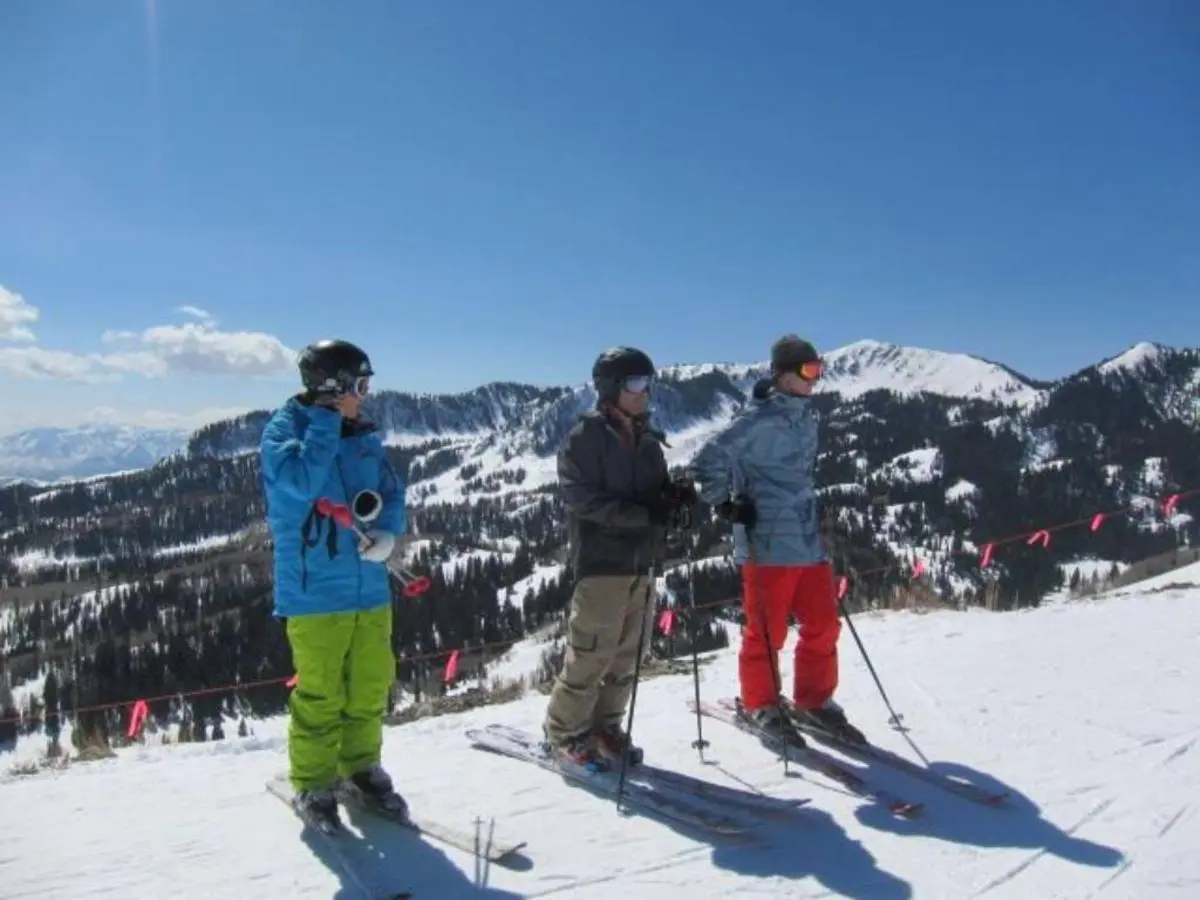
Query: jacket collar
x: 790, y: 405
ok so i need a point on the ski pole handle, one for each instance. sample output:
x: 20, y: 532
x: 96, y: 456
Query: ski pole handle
x: 340, y: 513
x: 413, y: 585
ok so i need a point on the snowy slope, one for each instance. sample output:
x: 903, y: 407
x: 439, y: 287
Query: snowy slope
x: 1103, y: 761
x: 869, y: 365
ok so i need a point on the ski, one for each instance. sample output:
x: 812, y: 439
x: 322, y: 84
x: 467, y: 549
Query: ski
x: 420, y: 825
x: 764, y: 804
x: 691, y: 786
x: 331, y: 831
x: 888, y: 758
x: 727, y: 711
x: 521, y: 745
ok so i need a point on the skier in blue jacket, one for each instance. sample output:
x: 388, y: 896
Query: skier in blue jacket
x: 758, y: 474
x: 333, y: 594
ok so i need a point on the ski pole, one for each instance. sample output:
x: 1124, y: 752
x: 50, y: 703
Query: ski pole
x: 772, y: 656
x: 647, y: 617
x: 699, y: 743
x: 413, y: 585
x: 894, y: 721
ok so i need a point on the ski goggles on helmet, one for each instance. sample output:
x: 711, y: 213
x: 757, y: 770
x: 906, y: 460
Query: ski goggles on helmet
x: 637, y: 384
x: 349, y: 385
x: 811, y: 371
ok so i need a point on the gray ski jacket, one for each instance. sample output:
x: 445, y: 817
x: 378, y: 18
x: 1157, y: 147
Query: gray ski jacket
x: 767, y: 455
x: 610, y: 484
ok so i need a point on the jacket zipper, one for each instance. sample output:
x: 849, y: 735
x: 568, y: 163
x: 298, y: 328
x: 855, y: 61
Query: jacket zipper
x: 350, y: 503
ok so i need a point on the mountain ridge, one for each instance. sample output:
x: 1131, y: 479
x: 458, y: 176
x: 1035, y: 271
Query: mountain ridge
x: 407, y: 418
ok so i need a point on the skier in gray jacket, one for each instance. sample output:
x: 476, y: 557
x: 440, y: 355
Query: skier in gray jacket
x: 758, y: 474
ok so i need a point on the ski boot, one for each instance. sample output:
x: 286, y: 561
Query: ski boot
x: 372, y: 788
x: 771, y: 721
x: 318, y: 809
x: 613, y: 745
x: 828, y: 719
x: 580, y: 750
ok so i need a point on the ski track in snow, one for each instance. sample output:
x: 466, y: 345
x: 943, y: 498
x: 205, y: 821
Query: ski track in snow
x: 1084, y: 712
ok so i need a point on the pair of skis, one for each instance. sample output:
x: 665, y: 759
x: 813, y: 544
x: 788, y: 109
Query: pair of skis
x: 727, y: 710
x: 671, y: 795
x: 332, y: 830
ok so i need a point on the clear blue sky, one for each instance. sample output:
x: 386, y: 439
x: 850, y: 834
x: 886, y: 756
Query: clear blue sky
x: 485, y: 190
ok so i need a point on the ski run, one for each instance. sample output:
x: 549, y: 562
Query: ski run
x: 1083, y: 714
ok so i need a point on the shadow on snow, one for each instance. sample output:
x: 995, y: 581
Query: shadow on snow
x: 1017, y: 823
x: 389, y: 860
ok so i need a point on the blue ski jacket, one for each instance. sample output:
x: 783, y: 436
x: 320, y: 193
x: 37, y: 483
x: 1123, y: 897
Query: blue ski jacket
x: 308, y: 452
x: 767, y: 455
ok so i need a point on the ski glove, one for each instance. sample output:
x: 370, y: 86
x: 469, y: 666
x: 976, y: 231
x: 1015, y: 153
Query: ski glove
x: 378, y: 547
x: 659, y: 511
x: 738, y: 513
x: 682, y: 491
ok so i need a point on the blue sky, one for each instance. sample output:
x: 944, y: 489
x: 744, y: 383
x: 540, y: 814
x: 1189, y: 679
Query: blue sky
x: 480, y: 191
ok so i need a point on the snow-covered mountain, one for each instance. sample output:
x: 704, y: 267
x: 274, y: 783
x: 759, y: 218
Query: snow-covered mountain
x: 505, y: 427
x: 525, y: 420
x: 871, y: 365
x: 50, y: 454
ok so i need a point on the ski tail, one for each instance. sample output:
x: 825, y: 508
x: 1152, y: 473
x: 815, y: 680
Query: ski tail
x: 728, y: 711
x: 867, y: 750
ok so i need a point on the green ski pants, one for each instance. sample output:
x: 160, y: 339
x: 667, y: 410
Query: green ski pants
x: 346, y: 667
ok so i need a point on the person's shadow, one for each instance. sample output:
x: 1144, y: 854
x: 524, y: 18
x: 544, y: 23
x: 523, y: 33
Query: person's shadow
x: 813, y: 845
x: 389, y: 860
x: 1016, y: 823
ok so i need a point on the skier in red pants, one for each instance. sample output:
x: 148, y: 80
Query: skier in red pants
x: 758, y: 474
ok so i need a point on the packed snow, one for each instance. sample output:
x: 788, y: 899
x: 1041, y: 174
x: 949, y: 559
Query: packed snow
x: 1102, y: 762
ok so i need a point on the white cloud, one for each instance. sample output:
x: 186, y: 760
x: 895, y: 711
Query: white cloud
x: 162, y: 350
x: 34, y: 363
x: 197, y: 313
x: 202, y: 348
x: 15, y: 317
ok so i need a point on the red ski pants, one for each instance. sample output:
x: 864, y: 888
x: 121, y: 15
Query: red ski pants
x: 770, y: 594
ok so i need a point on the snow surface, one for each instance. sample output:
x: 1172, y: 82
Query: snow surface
x: 1106, y: 793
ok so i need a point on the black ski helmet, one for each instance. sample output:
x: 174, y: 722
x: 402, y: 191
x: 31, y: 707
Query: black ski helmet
x: 616, y: 364
x: 333, y: 366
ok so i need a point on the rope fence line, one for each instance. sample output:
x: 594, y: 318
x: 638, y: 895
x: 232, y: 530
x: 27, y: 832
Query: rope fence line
x: 139, y: 708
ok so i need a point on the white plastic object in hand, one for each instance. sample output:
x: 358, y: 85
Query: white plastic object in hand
x: 378, y: 546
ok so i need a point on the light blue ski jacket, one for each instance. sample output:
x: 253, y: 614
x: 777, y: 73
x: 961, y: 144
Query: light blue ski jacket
x: 767, y: 455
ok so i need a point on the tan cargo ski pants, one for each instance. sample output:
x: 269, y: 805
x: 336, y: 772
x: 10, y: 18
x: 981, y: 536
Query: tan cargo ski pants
x: 605, y: 630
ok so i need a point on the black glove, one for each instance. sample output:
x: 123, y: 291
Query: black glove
x: 659, y: 510
x: 683, y: 491
x: 739, y: 512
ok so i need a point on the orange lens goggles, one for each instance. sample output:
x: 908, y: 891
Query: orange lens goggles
x: 811, y: 371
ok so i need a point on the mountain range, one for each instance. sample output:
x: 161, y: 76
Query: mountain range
x: 925, y: 459
x: 521, y: 422
x: 43, y: 455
